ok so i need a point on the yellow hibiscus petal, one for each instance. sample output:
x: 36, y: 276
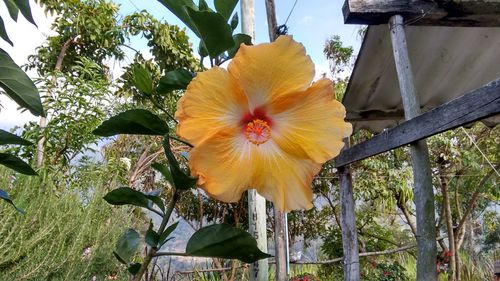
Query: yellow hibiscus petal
x: 282, y: 178
x: 223, y: 164
x: 272, y: 69
x: 310, y: 124
x: 212, y: 101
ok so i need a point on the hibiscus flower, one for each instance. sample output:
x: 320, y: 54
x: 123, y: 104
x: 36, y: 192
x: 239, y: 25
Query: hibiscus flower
x: 262, y: 124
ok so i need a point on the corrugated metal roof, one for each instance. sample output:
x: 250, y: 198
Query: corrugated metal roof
x: 447, y: 62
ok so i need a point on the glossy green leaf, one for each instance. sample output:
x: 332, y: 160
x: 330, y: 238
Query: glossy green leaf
x: 213, y: 30
x: 135, y: 121
x: 18, y: 85
x: 142, y: 80
x: 225, y: 7
x: 8, y: 138
x: 24, y: 7
x: 164, y: 236
x: 239, y: 39
x: 165, y: 171
x: 127, y: 196
x: 127, y: 245
x: 152, y: 236
x: 174, y: 80
x: 17, y: 164
x: 12, y: 7
x: 234, y: 22
x: 5, y: 196
x: 3, y: 33
x: 178, y: 8
x: 181, y: 180
x: 134, y: 268
x: 224, y: 241
x: 154, y: 196
x: 203, y: 6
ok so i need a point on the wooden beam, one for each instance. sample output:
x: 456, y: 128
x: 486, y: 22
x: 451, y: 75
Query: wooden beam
x: 476, y: 105
x: 424, y: 12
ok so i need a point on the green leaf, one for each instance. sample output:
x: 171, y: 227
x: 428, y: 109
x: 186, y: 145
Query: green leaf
x: 181, y: 180
x: 174, y: 80
x: 5, y: 196
x: 225, y: 7
x: 224, y: 241
x: 213, y: 30
x: 202, y: 6
x: 234, y: 22
x: 238, y: 40
x: 165, y: 171
x: 135, y: 121
x: 119, y: 258
x: 127, y: 196
x: 155, y: 198
x: 163, y: 238
x: 8, y: 138
x: 12, y: 7
x: 143, y: 80
x: 24, y: 7
x: 202, y: 50
x: 16, y: 164
x: 178, y: 8
x: 152, y: 236
x: 3, y: 33
x: 134, y: 268
x: 127, y: 245
x: 18, y: 85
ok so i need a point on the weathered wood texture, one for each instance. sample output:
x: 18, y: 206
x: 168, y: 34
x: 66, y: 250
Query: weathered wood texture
x: 476, y: 105
x: 422, y: 179
x: 424, y: 12
x: 348, y: 225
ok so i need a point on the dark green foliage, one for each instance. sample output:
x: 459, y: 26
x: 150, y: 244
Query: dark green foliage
x: 127, y: 245
x: 134, y: 121
x: 174, y: 80
x: 15, y: 163
x: 224, y: 241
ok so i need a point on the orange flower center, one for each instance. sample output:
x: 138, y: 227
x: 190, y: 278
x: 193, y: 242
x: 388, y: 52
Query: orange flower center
x: 257, y: 131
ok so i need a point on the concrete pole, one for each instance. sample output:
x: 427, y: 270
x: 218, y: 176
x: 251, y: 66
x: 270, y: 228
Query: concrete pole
x: 422, y: 189
x: 256, y: 203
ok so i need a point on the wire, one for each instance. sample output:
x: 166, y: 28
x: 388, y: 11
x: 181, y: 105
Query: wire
x: 480, y: 151
x: 291, y: 11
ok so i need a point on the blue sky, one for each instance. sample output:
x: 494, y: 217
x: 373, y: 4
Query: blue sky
x: 311, y: 23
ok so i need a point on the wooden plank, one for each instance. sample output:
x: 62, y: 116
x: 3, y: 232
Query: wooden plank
x: 424, y: 12
x: 423, y: 192
x: 348, y: 224
x: 476, y: 105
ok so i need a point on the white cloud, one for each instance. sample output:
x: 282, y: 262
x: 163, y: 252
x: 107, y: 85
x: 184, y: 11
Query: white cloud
x: 306, y: 20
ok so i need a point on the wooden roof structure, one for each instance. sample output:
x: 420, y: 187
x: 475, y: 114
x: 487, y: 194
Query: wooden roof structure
x: 425, y: 66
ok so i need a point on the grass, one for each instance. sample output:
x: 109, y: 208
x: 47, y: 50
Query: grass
x: 67, y: 233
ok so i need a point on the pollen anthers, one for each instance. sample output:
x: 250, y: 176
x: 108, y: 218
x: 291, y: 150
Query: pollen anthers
x: 257, y: 131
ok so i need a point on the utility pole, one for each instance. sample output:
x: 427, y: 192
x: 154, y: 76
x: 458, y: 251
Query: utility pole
x: 257, y: 225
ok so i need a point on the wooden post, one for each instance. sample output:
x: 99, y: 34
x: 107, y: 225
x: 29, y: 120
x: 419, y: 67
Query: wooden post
x: 348, y: 223
x: 256, y: 203
x: 280, y: 244
x: 422, y: 189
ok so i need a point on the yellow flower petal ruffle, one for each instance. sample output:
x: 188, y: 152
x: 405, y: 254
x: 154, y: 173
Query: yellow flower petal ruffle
x: 213, y: 101
x: 310, y: 124
x: 272, y: 69
x: 227, y: 165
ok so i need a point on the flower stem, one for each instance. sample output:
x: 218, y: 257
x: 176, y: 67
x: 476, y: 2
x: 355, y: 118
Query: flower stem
x: 153, y: 251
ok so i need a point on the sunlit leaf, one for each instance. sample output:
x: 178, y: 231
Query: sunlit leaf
x: 178, y: 8
x: 18, y: 85
x: 142, y: 79
x: 213, y: 30
x: 8, y: 138
x: 17, y: 164
x: 127, y: 244
x: 224, y: 241
x: 135, y: 121
x: 174, y: 80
